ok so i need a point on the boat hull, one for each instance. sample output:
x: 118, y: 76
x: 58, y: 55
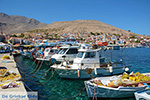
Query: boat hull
x: 27, y: 55
x: 83, y: 74
x: 142, y: 95
x: 107, y: 92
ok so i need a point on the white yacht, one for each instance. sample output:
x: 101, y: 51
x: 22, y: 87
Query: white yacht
x: 48, y: 52
x: 68, y: 51
x: 89, y: 63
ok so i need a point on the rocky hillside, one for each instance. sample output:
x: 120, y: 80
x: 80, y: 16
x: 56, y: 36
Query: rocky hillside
x: 21, y: 24
x: 83, y: 26
x: 15, y: 24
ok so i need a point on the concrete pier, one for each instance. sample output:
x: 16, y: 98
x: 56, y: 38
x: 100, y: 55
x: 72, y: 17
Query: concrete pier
x: 12, y: 67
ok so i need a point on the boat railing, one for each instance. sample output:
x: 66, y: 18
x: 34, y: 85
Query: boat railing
x: 98, y: 65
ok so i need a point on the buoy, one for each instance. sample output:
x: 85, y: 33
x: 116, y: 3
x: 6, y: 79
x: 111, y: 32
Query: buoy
x: 78, y: 72
x: 126, y: 69
x: 95, y: 71
x: 110, y: 69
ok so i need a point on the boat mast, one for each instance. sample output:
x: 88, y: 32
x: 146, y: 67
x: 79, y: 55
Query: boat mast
x: 111, y: 53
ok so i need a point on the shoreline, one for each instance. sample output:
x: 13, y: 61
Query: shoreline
x: 11, y: 65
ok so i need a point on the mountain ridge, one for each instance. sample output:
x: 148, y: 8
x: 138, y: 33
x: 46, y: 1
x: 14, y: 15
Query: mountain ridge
x: 85, y: 26
x: 18, y: 24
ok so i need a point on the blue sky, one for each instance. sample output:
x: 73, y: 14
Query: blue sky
x: 131, y: 15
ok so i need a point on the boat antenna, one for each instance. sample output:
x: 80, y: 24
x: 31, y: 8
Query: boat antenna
x: 111, y: 53
x: 122, y: 50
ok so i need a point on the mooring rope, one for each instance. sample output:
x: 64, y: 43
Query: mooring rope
x: 25, y: 72
x: 43, y: 83
x: 50, y: 77
x: 94, y: 93
x: 35, y: 67
x: 46, y: 72
x: 29, y: 67
x: 22, y: 68
x: 33, y: 91
x: 35, y: 72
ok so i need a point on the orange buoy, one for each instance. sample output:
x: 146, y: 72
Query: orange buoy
x: 78, y: 72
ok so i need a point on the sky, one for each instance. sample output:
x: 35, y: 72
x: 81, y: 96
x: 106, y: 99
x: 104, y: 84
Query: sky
x: 133, y: 15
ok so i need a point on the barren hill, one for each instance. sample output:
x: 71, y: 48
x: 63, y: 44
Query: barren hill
x: 14, y: 23
x: 84, y: 26
x: 20, y: 24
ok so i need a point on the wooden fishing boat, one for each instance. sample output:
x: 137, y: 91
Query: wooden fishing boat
x: 89, y: 63
x: 121, y: 86
x: 70, y: 52
x: 47, y: 54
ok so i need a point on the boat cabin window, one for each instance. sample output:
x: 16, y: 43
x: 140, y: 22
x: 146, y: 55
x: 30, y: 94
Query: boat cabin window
x: 80, y: 54
x: 47, y: 50
x: 52, y: 51
x: 63, y: 51
x: 55, y: 51
x: 58, y: 51
x: 72, y: 51
x: 90, y: 55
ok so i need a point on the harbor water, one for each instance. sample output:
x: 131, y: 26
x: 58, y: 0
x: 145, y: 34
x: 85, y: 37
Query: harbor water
x: 41, y: 78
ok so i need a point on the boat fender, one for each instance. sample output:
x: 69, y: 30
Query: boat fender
x: 126, y: 69
x: 95, y: 71
x: 110, y: 69
x: 64, y: 63
x: 78, y: 72
x: 53, y: 61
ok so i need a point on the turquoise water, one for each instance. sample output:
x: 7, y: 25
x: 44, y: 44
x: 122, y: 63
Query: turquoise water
x: 51, y: 87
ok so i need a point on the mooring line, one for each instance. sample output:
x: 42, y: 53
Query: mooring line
x: 50, y: 76
x: 35, y: 72
x: 22, y: 68
x: 35, y: 68
x: 29, y: 67
x: 43, y: 83
x: 33, y: 91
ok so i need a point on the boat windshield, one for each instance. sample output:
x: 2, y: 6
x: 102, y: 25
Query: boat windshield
x: 90, y: 55
x: 53, y: 51
x: 62, y: 51
x: 80, y: 55
x: 58, y: 51
x: 47, y: 50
